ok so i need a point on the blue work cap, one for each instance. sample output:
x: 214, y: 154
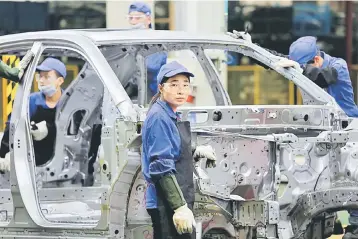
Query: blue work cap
x: 50, y: 64
x: 171, y: 69
x: 140, y: 7
x: 304, y: 49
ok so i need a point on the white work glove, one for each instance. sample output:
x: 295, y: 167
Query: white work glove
x: 237, y: 35
x: 24, y: 63
x: 184, y: 220
x: 5, y: 163
x: 284, y: 62
x: 205, y: 151
x: 39, y: 131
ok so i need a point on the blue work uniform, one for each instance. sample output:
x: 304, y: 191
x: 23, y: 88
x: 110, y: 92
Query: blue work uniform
x: 161, y: 140
x: 166, y: 150
x: 342, y: 90
x: 305, y: 49
x: 38, y: 111
x: 154, y: 62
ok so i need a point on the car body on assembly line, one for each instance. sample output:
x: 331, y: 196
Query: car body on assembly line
x: 256, y: 145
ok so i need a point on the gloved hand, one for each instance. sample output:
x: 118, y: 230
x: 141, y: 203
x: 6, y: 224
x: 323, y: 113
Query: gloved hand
x: 5, y: 164
x: 24, y: 63
x: 39, y: 131
x: 284, y: 62
x: 243, y: 35
x: 205, y: 151
x: 184, y: 220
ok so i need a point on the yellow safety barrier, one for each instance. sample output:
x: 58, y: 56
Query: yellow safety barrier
x: 295, y: 97
x: 265, y: 87
x: 8, y: 88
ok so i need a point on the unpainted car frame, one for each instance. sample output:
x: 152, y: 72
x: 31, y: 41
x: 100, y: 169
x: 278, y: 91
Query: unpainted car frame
x: 256, y: 145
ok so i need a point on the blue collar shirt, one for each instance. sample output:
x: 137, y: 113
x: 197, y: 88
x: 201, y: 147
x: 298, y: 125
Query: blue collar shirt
x: 342, y: 90
x: 161, y: 146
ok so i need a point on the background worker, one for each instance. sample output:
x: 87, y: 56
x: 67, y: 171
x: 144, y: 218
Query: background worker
x: 139, y: 17
x: 167, y: 159
x: 42, y: 111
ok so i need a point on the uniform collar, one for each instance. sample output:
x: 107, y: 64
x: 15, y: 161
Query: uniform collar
x: 168, y: 109
x: 326, y: 59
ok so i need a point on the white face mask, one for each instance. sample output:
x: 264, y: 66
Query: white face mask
x: 139, y: 25
x: 48, y: 90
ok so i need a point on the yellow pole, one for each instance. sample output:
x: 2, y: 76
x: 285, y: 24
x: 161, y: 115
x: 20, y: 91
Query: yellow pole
x: 256, y: 86
x: 291, y: 93
x: 299, y: 97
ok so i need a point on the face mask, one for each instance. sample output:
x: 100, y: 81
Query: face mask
x: 139, y: 25
x: 48, y: 90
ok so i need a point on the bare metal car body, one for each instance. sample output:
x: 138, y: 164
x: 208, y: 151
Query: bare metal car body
x: 256, y: 145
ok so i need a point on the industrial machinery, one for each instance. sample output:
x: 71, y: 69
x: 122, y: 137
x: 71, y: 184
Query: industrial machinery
x: 313, y: 146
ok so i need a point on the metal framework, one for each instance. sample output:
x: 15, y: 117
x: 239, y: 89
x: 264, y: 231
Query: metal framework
x: 256, y: 146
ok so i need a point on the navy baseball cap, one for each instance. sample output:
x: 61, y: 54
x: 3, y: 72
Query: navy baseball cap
x: 171, y: 69
x: 140, y: 7
x: 304, y: 49
x: 50, y: 64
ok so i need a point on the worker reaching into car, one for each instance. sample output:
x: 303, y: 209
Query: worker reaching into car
x: 338, y: 84
x: 15, y: 73
x: 42, y: 110
x: 139, y: 17
x: 326, y: 71
x: 167, y: 159
x: 306, y: 52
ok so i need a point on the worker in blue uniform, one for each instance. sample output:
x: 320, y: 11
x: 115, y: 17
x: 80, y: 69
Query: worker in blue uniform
x: 139, y: 17
x: 42, y: 111
x: 306, y: 52
x: 327, y: 72
x: 168, y: 157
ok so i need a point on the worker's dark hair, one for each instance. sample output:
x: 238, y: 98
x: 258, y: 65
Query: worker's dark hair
x: 154, y: 99
x: 157, y: 96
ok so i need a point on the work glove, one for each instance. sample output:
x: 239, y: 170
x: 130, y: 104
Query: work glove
x: 39, y: 131
x: 5, y: 164
x: 24, y: 63
x: 184, y: 220
x: 205, y: 151
x: 284, y: 62
x: 183, y: 217
x: 240, y: 35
